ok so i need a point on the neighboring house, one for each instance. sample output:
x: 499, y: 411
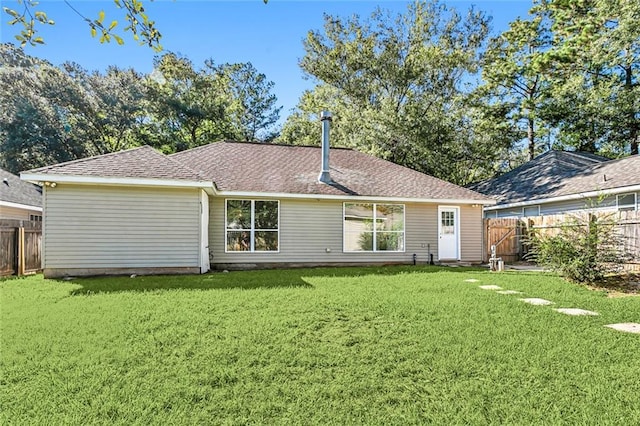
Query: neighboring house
x: 19, y: 200
x: 558, y: 182
x: 245, y: 205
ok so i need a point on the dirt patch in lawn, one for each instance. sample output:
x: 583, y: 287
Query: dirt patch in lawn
x: 625, y: 285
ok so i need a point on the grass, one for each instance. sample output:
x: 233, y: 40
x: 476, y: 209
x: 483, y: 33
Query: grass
x: 395, y: 345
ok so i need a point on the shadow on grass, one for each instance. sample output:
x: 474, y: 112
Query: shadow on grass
x: 246, y: 280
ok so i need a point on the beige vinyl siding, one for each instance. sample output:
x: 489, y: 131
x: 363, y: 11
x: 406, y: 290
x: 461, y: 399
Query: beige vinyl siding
x: 121, y: 227
x: 309, y: 227
x: 471, y: 233
x: 16, y: 213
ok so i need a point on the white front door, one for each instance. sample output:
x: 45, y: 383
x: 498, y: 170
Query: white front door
x: 448, y: 232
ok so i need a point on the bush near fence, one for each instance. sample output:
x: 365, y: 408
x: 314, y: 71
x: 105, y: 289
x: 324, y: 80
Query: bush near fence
x: 509, y: 234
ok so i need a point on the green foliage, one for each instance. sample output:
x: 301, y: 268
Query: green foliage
x: 584, y: 250
x: 394, y: 345
x: 190, y: 107
x: 595, y: 64
x: 253, y: 111
x: 139, y: 25
x: 53, y: 114
x: 514, y: 82
x: 395, y: 85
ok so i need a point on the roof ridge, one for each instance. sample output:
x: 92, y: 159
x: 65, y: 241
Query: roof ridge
x: 612, y: 161
x: 227, y: 141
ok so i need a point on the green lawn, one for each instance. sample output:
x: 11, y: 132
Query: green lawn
x: 394, y: 345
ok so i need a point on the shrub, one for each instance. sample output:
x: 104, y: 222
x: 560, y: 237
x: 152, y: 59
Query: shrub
x: 584, y: 250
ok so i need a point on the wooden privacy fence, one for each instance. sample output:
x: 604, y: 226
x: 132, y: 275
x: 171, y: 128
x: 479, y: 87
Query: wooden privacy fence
x: 20, y: 247
x: 509, y: 235
x: 506, y: 235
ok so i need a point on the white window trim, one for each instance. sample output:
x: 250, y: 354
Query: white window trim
x: 404, y: 229
x: 252, y: 230
x: 626, y: 207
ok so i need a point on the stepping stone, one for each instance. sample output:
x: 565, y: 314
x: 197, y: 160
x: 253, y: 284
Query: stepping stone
x: 575, y: 311
x: 629, y: 327
x: 471, y: 280
x: 490, y: 287
x: 509, y: 292
x: 536, y: 301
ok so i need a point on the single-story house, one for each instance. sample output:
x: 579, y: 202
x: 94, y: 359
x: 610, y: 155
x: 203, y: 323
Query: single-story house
x: 19, y: 200
x: 559, y: 182
x: 249, y: 205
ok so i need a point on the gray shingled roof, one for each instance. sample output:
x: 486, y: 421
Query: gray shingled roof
x: 254, y: 167
x: 142, y: 163
x: 559, y: 173
x: 14, y: 190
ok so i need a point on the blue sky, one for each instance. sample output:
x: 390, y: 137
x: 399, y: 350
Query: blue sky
x: 269, y: 36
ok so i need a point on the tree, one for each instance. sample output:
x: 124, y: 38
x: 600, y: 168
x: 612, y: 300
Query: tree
x: 254, y: 111
x: 596, y: 57
x: 53, y: 114
x: 395, y: 85
x: 187, y: 107
x: 513, y: 77
x: 111, y: 109
x: 36, y: 109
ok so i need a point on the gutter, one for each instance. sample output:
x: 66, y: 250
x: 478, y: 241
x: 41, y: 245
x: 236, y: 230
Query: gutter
x: 211, y: 189
x: 359, y: 198
x: 20, y: 206
x: 88, y: 180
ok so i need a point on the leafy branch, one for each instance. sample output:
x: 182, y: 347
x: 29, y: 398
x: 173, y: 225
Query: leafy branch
x: 143, y: 29
x: 28, y: 21
x: 139, y: 25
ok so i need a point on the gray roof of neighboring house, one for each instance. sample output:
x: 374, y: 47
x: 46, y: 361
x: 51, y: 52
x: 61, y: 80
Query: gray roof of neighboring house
x: 271, y: 168
x: 14, y: 190
x: 141, y: 163
x: 559, y: 173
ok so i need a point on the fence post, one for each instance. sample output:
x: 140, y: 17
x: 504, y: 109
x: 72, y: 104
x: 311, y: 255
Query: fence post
x: 21, y: 252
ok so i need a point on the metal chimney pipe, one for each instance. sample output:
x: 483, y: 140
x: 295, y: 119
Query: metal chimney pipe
x: 325, y: 118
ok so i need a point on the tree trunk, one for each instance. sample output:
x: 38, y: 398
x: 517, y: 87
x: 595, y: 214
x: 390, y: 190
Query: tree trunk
x: 194, y: 136
x: 633, y: 121
x: 531, y: 138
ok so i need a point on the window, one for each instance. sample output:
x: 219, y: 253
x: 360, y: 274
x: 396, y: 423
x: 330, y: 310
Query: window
x: 493, y: 214
x: 373, y: 227
x: 626, y: 201
x: 531, y: 211
x: 252, y: 225
x: 35, y: 218
x: 448, y: 223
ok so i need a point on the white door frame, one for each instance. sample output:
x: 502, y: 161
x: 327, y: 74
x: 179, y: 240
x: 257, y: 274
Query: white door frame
x: 456, y: 211
x: 204, y: 232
